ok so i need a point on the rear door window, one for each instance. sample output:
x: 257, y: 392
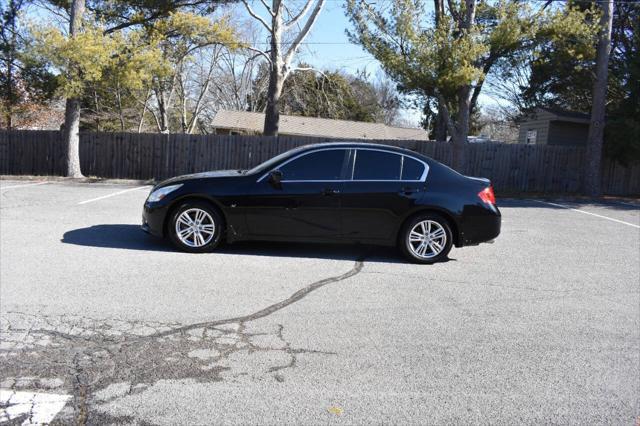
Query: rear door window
x: 376, y: 165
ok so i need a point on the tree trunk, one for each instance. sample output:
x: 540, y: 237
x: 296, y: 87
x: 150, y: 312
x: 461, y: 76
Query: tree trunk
x: 72, y: 110
x: 120, y: 111
x: 458, y: 142
x: 440, y: 126
x: 10, y: 99
x: 10, y: 96
x: 276, y: 75
x: 272, y: 112
x: 72, y: 137
x: 96, y: 104
x: 163, y: 124
x: 459, y: 138
x: 144, y: 111
x: 596, y: 125
x: 280, y: 60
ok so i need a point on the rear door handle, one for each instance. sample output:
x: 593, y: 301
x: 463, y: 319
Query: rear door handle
x: 330, y: 191
x: 409, y: 190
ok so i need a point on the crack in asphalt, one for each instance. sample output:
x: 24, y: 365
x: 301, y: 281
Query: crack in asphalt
x: 298, y: 295
x: 91, y: 354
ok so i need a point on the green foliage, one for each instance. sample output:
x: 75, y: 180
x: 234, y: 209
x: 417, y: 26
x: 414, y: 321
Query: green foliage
x: 427, y: 57
x: 132, y: 58
x: 440, y: 55
x: 122, y: 14
x: 25, y: 81
x: 80, y: 60
x: 562, y: 75
x: 622, y: 138
x: 564, y: 46
x: 181, y: 33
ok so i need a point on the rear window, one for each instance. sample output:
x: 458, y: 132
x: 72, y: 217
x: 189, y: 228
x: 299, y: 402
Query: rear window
x: 412, y: 169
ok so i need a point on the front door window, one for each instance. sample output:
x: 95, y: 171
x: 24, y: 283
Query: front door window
x: 325, y: 165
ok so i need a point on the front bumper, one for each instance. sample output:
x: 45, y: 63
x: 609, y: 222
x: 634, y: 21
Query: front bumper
x: 153, y: 218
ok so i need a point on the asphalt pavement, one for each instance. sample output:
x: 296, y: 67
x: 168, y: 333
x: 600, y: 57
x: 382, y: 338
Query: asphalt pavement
x: 103, y: 324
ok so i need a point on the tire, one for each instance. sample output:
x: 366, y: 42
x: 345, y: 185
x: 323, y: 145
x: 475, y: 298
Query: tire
x: 421, y: 246
x: 190, y: 227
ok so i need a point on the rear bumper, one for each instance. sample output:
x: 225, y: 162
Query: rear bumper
x: 480, y: 224
x: 153, y: 220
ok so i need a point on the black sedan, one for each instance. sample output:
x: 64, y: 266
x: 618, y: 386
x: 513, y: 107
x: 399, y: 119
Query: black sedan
x: 337, y: 192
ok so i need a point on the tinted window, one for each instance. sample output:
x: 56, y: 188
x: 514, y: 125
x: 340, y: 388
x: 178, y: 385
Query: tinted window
x: 412, y: 169
x: 321, y: 165
x: 376, y: 165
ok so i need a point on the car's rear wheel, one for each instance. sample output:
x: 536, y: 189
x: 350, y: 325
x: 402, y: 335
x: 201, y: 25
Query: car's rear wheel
x: 426, y: 238
x: 195, y: 227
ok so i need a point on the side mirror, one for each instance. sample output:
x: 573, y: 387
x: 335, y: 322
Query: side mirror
x: 275, y: 179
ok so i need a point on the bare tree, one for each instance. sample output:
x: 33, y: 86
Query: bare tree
x: 284, y: 24
x: 597, y: 122
x: 194, y: 83
x: 220, y: 77
x: 72, y: 109
x: 389, y: 100
x: 238, y: 80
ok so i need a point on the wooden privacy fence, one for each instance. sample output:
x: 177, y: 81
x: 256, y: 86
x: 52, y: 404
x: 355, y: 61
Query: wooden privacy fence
x: 512, y: 168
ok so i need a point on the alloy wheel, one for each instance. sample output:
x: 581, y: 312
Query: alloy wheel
x: 195, y: 228
x: 427, y: 239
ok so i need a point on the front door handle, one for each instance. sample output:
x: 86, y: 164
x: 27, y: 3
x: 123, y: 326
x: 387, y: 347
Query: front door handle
x: 330, y: 191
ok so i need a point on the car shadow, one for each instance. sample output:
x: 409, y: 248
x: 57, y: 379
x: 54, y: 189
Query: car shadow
x: 131, y: 237
x: 128, y: 237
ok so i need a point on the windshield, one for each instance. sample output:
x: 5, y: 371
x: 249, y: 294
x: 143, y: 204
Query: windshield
x: 271, y: 163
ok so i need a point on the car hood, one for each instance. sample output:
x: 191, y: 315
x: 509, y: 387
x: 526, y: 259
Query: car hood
x: 203, y: 175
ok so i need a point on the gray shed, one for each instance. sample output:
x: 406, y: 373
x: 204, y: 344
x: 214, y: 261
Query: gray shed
x: 547, y: 126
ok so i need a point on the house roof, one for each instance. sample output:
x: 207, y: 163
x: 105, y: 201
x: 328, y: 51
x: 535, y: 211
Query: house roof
x: 311, y: 126
x: 553, y: 114
x: 562, y: 113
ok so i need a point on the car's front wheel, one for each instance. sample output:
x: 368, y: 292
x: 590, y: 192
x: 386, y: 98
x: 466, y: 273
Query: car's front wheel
x: 195, y: 227
x: 426, y: 238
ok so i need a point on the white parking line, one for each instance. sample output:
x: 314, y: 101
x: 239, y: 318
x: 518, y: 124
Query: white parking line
x: 31, y: 407
x: 112, y: 195
x: 589, y: 213
x: 2, y: 188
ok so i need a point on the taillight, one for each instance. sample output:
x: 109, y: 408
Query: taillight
x: 487, y: 195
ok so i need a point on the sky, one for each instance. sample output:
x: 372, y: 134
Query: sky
x: 328, y: 45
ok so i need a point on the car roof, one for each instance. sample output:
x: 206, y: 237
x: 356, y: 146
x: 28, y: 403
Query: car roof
x: 347, y: 144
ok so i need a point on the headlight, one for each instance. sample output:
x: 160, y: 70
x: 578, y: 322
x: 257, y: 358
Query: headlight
x: 160, y: 193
